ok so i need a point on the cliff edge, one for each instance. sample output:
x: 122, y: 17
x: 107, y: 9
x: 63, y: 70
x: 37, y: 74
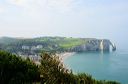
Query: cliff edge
x: 95, y: 45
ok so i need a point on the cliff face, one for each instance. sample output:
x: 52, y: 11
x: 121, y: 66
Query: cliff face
x: 95, y: 45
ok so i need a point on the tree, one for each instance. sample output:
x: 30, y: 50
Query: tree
x: 14, y: 70
x: 53, y: 70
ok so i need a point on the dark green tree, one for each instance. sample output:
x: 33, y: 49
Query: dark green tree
x: 14, y: 70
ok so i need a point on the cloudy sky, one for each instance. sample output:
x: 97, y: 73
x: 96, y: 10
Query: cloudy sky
x: 71, y: 18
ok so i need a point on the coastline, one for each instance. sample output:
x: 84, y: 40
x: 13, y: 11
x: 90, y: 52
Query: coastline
x: 65, y: 55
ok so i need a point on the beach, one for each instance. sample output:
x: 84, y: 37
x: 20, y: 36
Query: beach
x: 65, y: 55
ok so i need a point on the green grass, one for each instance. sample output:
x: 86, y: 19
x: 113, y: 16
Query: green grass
x: 71, y: 42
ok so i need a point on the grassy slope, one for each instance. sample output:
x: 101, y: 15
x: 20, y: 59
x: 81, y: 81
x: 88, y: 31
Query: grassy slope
x: 71, y: 42
x: 63, y: 41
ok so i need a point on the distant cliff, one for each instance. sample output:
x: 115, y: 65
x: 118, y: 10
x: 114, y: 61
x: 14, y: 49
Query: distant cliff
x: 95, y: 45
x: 60, y: 44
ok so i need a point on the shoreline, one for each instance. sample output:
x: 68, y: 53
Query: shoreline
x: 65, y: 55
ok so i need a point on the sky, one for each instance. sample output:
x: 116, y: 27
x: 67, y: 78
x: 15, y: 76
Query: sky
x: 69, y: 18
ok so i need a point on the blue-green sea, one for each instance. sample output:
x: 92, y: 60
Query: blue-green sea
x: 101, y: 65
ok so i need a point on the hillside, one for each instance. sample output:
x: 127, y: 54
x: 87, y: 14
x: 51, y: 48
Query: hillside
x: 60, y: 44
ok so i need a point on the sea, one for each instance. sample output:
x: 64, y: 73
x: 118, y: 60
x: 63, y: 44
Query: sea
x: 112, y: 65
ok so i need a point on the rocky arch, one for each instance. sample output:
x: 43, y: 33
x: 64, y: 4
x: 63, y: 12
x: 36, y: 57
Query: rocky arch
x: 105, y: 45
